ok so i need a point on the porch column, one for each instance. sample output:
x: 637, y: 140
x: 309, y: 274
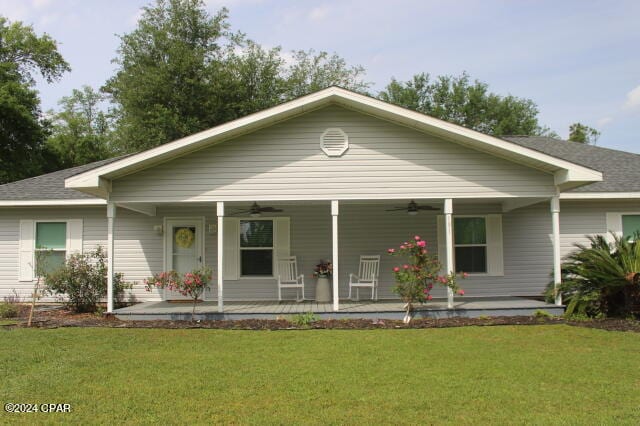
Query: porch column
x: 555, y: 225
x: 111, y: 215
x: 334, y: 256
x: 220, y: 213
x: 448, y: 226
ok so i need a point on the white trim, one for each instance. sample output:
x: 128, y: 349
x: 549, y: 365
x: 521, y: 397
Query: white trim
x: 335, y: 210
x: 598, y: 195
x: 62, y: 203
x: 220, y: 254
x: 565, y: 172
x: 614, y: 223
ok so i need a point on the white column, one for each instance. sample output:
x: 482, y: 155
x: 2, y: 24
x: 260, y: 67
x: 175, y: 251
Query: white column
x: 111, y: 216
x: 335, y: 260
x: 220, y: 213
x: 448, y: 227
x: 555, y: 225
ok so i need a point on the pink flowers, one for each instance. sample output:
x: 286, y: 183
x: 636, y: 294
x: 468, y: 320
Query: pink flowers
x: 421, y: 243
x: 402, y: 247
x: 417, y: 238
x: 465, y: 275
x: 405, y: 266
x: 461, y: 292
x: 429, y: 297
x: 391, y: 250
x: 396, y: 269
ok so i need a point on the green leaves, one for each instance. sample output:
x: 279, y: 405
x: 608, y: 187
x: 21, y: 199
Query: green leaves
x: 469, y: 104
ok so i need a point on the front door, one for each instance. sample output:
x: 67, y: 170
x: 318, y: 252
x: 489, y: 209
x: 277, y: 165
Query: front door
x: 184, y: 249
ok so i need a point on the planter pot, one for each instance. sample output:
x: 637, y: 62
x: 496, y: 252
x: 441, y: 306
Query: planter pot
x: 323, y: 290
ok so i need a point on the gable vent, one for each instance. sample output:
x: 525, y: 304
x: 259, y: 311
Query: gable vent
x: 334, y: 142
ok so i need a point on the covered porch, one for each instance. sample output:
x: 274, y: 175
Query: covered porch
x: 518, y: 253
x: 383, y: 309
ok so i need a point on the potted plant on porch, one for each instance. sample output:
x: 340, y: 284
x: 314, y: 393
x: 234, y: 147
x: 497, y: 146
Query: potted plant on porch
x: 322, y: 272
x: 191, y: 284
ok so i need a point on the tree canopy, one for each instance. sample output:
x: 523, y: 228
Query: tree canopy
x: 467, y: 103
x: 181, y: 70
x: 579, y: 132
x: 22, y: 128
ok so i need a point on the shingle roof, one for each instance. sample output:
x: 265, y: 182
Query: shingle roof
x: 620, y: 169
x: 49, y: 186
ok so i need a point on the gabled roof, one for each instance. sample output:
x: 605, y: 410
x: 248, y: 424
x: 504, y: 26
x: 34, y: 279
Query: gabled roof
x: 567, y: 174
x: 620, y: 169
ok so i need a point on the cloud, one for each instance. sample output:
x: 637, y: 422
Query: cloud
x: 604, y: 121
x: 633, y: 98
x: 318, y: 13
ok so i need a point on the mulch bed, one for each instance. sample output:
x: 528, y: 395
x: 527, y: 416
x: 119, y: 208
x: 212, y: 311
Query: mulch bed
x: 54, y: 318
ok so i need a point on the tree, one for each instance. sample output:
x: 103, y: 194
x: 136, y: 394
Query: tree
x: 578, y: 132
x: 22, y: 128
x: 81, y: 131
x: 182, y: 71
x: 470, y: 104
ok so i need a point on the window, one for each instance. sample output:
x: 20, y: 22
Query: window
x: 256, y: 248
x: 51, y: 246
x: 470, y: 243
x: 630, y: 225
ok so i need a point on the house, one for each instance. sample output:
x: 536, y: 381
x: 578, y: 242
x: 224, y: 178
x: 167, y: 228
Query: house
x: 333, y: 175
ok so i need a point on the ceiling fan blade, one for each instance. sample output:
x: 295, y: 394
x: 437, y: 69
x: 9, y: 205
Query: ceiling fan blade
x: 428, y: 208
x: 270, y: 210
x: 396, y: 209
x: 240, y: 212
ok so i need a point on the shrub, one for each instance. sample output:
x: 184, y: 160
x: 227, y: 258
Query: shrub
x: 602, y: 279
x: 416, y: 277
x: 304, y: 320
x: 191, y: 284
x: 8, y: 310
x: 83, y: 279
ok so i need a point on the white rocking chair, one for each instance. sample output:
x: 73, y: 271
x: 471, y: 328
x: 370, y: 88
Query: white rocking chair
x: 367, y: 277
x: 288, y: 277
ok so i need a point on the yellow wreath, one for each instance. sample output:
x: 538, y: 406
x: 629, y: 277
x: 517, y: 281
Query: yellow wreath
x: 184, y: 237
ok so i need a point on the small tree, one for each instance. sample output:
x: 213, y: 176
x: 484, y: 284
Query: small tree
x: 83, y: 279
x: 191, y: 284
x: 415, y: 278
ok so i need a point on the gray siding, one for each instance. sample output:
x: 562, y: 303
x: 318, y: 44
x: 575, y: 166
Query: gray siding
x: 364, y: 229
x: 284, y: 162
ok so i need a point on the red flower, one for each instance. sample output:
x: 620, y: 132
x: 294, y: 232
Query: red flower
x: 396, y: 269
x: 461, y: 292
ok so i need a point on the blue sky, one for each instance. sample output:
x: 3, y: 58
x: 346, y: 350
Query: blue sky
x: 578, y: 60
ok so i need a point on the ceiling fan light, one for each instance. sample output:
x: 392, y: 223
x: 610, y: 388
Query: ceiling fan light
x: 412, y: 212
x: 254, y: 214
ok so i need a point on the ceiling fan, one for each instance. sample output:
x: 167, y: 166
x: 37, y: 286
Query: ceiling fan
x: 255, y: 210
x: 412, y: 208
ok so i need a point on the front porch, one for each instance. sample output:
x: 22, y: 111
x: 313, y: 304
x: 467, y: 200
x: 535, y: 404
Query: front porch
x: 383, y: 309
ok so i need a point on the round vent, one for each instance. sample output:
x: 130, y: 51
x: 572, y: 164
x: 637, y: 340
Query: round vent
x: 334, y: 142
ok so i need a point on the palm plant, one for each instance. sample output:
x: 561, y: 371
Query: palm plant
x: 602, y: 278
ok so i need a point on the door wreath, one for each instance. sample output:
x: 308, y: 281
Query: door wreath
x: 184, y: 237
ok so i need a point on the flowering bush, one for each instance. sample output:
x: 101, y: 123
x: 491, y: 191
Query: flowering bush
x: 323, y: 269
x: 415, y: 278
x: 191, y: 284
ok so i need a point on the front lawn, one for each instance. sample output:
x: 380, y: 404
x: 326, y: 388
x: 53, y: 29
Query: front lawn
x: 509, y: 374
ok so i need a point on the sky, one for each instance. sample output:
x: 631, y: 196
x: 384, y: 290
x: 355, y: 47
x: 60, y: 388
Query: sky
x: 577, y: 60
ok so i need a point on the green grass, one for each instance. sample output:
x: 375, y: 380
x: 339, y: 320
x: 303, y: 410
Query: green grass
x: 471, y: 375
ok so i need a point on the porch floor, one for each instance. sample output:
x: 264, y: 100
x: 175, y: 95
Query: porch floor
x: 382, y: 309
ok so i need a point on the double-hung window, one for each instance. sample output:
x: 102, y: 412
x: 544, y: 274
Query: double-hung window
x: 256, y: 248
x: 470, y: 243
x: 50, y: 246
x: 630, y: 225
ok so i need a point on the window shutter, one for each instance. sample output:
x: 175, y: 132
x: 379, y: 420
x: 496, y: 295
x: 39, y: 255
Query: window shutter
x: 26, y: 248
x: 231, y: 252
x: 74, y: 236
x: 495, y: 258
x: 614, y: 225
x: 282, y: 238
x: 442, y: 241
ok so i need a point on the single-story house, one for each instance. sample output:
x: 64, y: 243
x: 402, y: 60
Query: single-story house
x: 333, y: 175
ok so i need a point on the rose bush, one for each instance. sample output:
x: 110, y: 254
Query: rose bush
x: 416, y: 277
x: 191, y: 284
